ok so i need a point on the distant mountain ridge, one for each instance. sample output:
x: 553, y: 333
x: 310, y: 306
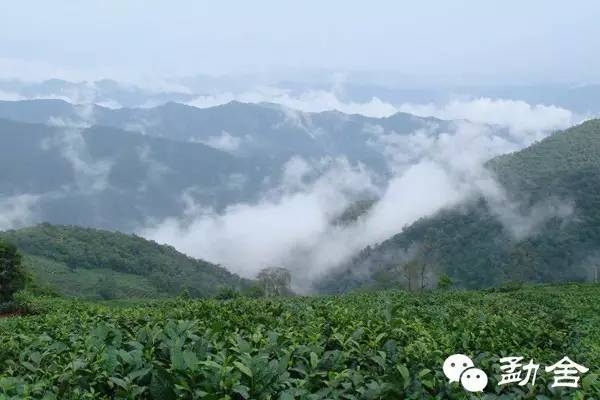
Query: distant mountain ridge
x: 104, y: 91
x: 245, y: 129
x: 574, y: 96
x: 119, y: 169
x: 108, y: 178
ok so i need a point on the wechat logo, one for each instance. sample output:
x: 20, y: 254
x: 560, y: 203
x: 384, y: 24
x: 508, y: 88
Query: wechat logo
x: 460, y: 368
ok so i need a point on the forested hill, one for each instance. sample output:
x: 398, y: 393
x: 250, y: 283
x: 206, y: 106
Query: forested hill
x: 93, y: 263
x: 471, y: 245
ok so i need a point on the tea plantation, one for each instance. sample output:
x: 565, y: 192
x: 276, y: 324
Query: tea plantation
x: 380, y: 345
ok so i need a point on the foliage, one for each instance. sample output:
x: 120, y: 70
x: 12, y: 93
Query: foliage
x: 97, y: 264
x: 354, y: 211
x: 445, y: 282
x: 12, y: 275
x: 227, y: 293
x: 384, y: 345
x: 254, y: 291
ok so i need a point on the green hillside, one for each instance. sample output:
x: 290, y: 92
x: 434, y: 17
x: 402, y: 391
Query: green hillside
x: 92, y: 263
x: 471, y: 246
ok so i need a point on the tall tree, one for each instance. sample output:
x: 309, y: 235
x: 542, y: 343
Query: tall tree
x: 12, y: 274
x: 275, y: 281
x: 411, y: 272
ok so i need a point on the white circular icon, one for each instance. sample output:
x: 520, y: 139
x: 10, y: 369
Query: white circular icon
x: 474, y: 380
x: 455, y: 365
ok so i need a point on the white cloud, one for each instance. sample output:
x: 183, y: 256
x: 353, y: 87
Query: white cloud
x: 308, y: 101
x: 155, y: 170
x: 516, y: 115
x: 284, y: 228
x: 17, y: 211
x: 224, y: 142
x: 10, y: 96
x: 90, y: 175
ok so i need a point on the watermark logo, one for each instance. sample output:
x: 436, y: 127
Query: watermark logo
x: 512, y: 371
x: 566, y: 373
x: 460, y: 368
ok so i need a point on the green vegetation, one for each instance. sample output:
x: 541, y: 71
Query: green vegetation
x: 384, y: 345
x: 354, y: 211
x: 96, y: 264
x: 470, y: 245
x: 12, y: 275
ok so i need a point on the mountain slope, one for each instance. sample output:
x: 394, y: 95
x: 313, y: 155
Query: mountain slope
x: 109, y: 178
x: 94, y: 263
x: 474, y: 247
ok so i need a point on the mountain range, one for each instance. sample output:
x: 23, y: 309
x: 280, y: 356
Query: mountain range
x: 119, y: 169
x: 116, y: 169
x: 262, y: 130
x: 577, y: 97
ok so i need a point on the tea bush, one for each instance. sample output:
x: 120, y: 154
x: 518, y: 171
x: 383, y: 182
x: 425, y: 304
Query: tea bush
x: 380, y: 345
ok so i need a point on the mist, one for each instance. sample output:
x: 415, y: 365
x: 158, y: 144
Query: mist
x: 295, y: 224
x: 17, y: 211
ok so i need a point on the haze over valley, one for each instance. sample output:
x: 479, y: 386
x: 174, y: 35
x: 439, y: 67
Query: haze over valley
x: 304, y: 181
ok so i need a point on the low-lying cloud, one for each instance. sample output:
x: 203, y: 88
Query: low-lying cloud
x: 288, y: 225
x: 90, y: 175
x: 517, y: 116
x: 293, y: 225
x: 17, y: 211
x: 308, y: 101
x: 225, y: 142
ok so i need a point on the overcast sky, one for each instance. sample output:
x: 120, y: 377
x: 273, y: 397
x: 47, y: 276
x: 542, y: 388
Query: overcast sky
x: 478, y: 41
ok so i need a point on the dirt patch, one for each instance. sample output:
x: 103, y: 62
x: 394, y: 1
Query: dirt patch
x: 11, y: 314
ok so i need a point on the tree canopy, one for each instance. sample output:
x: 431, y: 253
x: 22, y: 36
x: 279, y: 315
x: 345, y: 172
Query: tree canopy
x: 12, y: 275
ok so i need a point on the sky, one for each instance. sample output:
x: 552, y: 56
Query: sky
x: 426, y: 41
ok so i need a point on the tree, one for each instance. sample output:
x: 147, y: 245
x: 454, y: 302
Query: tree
x: 418, y: 272
x: 12, y: 274
x: 254, y: 291
x: 227, y: 293
x: 445, y: 282
x: 275, y: 281
x: 106, y: 287
x: 411, y: 272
